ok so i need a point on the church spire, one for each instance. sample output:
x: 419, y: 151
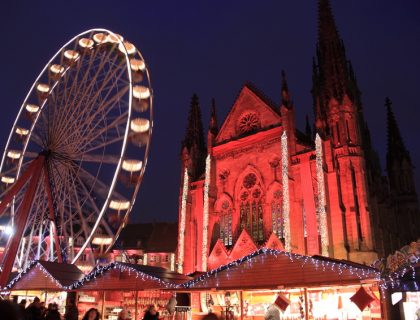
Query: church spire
x: 285, y: 95
x: 396, y: 148
x: 213, y: 127
x: 308, y: 130
x: 193, y: 145
x: 331, y: 56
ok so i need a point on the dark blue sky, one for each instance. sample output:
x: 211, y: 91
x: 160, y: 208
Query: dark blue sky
x: 212, y: 48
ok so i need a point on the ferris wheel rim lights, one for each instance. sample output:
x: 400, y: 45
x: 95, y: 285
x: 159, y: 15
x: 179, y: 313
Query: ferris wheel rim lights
x: 79, y: 49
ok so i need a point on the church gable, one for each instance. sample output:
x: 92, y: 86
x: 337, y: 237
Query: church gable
x: 243, y: 246
x: 218, y: 255
x: 274, y: 243
x: 250, y: 113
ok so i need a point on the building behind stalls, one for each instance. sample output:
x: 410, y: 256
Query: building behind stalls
x: 260, y: 181
x: 152, y: 244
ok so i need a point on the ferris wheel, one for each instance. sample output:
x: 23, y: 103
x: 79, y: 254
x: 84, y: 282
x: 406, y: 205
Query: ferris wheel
x: 77, y: 152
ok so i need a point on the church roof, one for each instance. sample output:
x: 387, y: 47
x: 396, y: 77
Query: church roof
x: 249, y: 100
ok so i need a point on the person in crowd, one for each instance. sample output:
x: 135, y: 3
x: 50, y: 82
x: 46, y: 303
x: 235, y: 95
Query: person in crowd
x: 211, y: 316
x: 272, y: 313
x: 52, y: 312
x: 9, y: 311
x: 91, y: 314
x: 33, y: 311
x: 151, y: 313
x: 71, y: 311
x: 123, y: 315
x: 22, y: 305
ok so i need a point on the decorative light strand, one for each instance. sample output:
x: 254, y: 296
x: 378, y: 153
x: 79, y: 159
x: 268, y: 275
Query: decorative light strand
x: 180, y: 267
x: 100, y: 270
x: 322, y: 214
x: 285, y: 182
x: 321, y: 265
x: 206, y: 213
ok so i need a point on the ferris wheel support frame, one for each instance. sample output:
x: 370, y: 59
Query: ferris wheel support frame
x: 31, y: 176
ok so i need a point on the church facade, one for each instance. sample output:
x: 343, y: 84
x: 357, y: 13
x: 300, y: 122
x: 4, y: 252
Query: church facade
x: 258, y: 181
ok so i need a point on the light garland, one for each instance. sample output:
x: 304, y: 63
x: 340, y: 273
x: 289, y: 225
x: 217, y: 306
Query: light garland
x: 322, y: 214
x: 285, y: 182
x: 206, y: 213
x: 31, y: 265
x: 180, y: 267
x: 320, y: 264
x: 100, y: 270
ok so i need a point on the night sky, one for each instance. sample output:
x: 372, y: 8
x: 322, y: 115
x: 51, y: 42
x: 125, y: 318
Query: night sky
x: 211, y: 48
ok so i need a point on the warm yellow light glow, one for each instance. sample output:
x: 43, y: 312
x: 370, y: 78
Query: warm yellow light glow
x: 137, y: 65
x: 56, y: 68
x: 22, y: 131
x: 100, y: 38
x: 140, y: 92
x: 113, y: 38
x: 43, y: 88
x: 100, y: 241
x: 86, y: 43
x: 119, y: 205
x: 140, y: 125
x: 131, y: 49
x: 71, y: 55
x: 7, y: 180
x: 32, y: 108
x: 12, y: 154
x: 132, y: 165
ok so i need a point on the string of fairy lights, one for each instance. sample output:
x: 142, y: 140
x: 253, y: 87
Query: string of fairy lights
x: 391, y: 280
x: 206, y: 213
x: 320, y: 264
x: 100, y: 270
x: 182, y: 223
x: 322, y: 214
x: 285, y: 182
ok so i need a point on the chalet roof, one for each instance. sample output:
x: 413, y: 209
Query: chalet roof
x: 46, y: 275
x: 267, y: 269
x: 126, y: 276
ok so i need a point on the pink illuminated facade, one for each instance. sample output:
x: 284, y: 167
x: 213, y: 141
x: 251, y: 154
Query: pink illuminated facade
x: 258, y: 181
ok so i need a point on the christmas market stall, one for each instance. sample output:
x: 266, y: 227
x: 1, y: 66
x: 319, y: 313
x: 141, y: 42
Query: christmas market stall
x: 401, y: 282
x: 44, y: 279
x: 132, y: 287
x: 295, y: 286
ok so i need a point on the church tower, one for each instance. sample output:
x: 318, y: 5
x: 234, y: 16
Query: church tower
x: 339, y: 121
x: 403, y: 192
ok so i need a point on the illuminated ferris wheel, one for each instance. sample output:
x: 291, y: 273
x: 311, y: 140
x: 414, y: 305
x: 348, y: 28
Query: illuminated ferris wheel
x: 77, y: 152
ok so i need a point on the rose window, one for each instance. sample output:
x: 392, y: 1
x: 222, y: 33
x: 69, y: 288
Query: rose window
x: 250, y: 180
x: 249, y: 122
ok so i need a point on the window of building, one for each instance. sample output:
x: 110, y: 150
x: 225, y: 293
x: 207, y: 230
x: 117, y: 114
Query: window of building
x: 251, y: 207
x: 277, y: 214
x: 152, y: 258
x: 165, y: 258
x: 226, y: 223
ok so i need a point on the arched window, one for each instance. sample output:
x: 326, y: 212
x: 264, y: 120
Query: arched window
x: 251, y: 207
x: 225, y: 219
x: 277, y: 214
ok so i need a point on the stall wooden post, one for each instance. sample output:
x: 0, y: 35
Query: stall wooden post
x: 103, y: 306
x: 305, y: 291
x: 242, y: 304
x: 136, y: 306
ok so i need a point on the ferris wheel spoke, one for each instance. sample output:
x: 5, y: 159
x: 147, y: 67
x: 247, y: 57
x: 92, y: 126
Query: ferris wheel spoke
x: 93, y: 135
x: 100, y: 113
x: 78, y: 107
x: 100, y: 158
x: 66, y: 97
x: 99, y: 186
x: 90, y: 133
